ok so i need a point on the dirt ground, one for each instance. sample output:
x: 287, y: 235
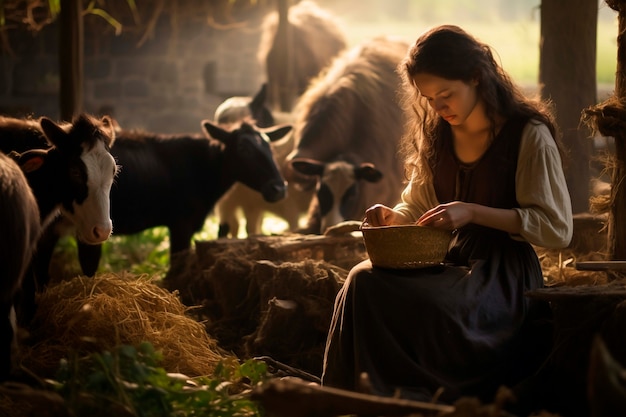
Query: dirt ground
x: 272, y: 297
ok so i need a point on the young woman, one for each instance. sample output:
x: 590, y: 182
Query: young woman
x: 483, y: 160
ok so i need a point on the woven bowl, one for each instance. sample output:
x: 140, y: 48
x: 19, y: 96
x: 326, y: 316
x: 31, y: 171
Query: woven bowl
x: 406, y: 246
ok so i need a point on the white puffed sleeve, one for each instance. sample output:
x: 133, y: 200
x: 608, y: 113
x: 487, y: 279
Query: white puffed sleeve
x: 417, y: 198
x: 541, y: 190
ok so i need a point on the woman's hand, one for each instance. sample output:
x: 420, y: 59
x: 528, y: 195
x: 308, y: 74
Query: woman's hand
x: 457, y: 214
x: 449, y: 216
x: 380, y: 215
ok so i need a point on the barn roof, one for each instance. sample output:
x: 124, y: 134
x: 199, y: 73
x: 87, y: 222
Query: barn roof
x: 139, y: 16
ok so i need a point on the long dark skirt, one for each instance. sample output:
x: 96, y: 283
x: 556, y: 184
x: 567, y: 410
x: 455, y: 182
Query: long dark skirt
x: 464, y: 328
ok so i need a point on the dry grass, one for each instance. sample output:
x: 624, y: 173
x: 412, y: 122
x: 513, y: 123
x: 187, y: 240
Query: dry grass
x: 86, y: 315
x: 559, y: 268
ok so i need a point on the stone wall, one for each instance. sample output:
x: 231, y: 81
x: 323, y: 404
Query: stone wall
x: 169, y: 83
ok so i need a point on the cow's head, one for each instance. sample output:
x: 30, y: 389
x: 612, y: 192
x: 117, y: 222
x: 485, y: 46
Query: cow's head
x: 75, y: 174
x: 337, y: 186
x: 249, y: 159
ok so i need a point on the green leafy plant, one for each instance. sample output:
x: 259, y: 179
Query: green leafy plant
x: 146, y: 252
x: 142, y: 253
x: 129, y: 382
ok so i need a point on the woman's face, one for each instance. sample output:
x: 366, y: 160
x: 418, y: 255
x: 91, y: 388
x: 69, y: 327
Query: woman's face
x: 453, y: 100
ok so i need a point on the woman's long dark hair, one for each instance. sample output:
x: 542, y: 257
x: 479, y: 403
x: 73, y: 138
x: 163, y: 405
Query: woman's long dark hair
x: 449, y: 52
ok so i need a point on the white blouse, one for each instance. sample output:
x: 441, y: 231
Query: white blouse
x: 541, y: 191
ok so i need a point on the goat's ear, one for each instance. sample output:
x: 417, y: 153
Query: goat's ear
x: 368, y: 172
x: 32, y: 160
x: 212, y: 130
x: 276, y: 132
x: 308, y: 166
x: 258, y: 101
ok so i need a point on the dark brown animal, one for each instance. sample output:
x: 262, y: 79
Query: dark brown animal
x: 295, y: 51
x: 19, y: 231
x: 351, y: 112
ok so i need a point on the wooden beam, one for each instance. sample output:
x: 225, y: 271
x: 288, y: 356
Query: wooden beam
x: 567, y: 74
x: 71, y: 59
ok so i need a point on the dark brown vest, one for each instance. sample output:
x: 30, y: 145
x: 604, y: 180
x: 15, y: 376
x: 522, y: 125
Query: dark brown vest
x: 490, y: 181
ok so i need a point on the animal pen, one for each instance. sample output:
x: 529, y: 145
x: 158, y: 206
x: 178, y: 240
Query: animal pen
x: 271, y: 298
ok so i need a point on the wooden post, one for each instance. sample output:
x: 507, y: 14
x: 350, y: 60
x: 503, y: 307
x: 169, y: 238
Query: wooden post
x: 617, y: 215
x: 71, y: 58
x: 609, y: 119
x: 620, y: 75
x: 567, y: 72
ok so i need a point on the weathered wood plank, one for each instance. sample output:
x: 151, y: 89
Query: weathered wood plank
x: 291, y: 397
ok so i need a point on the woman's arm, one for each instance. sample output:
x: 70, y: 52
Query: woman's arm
x: 416, y: 199
x: 545, y: 215
x: 545, y: 206
x: 457, y: 214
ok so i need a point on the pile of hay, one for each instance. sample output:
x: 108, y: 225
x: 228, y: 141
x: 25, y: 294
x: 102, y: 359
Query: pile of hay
x: 558, y: 266
x: 86, y: 315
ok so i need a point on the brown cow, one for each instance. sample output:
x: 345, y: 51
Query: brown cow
x: 19, y: 231
x: 352, y: 113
